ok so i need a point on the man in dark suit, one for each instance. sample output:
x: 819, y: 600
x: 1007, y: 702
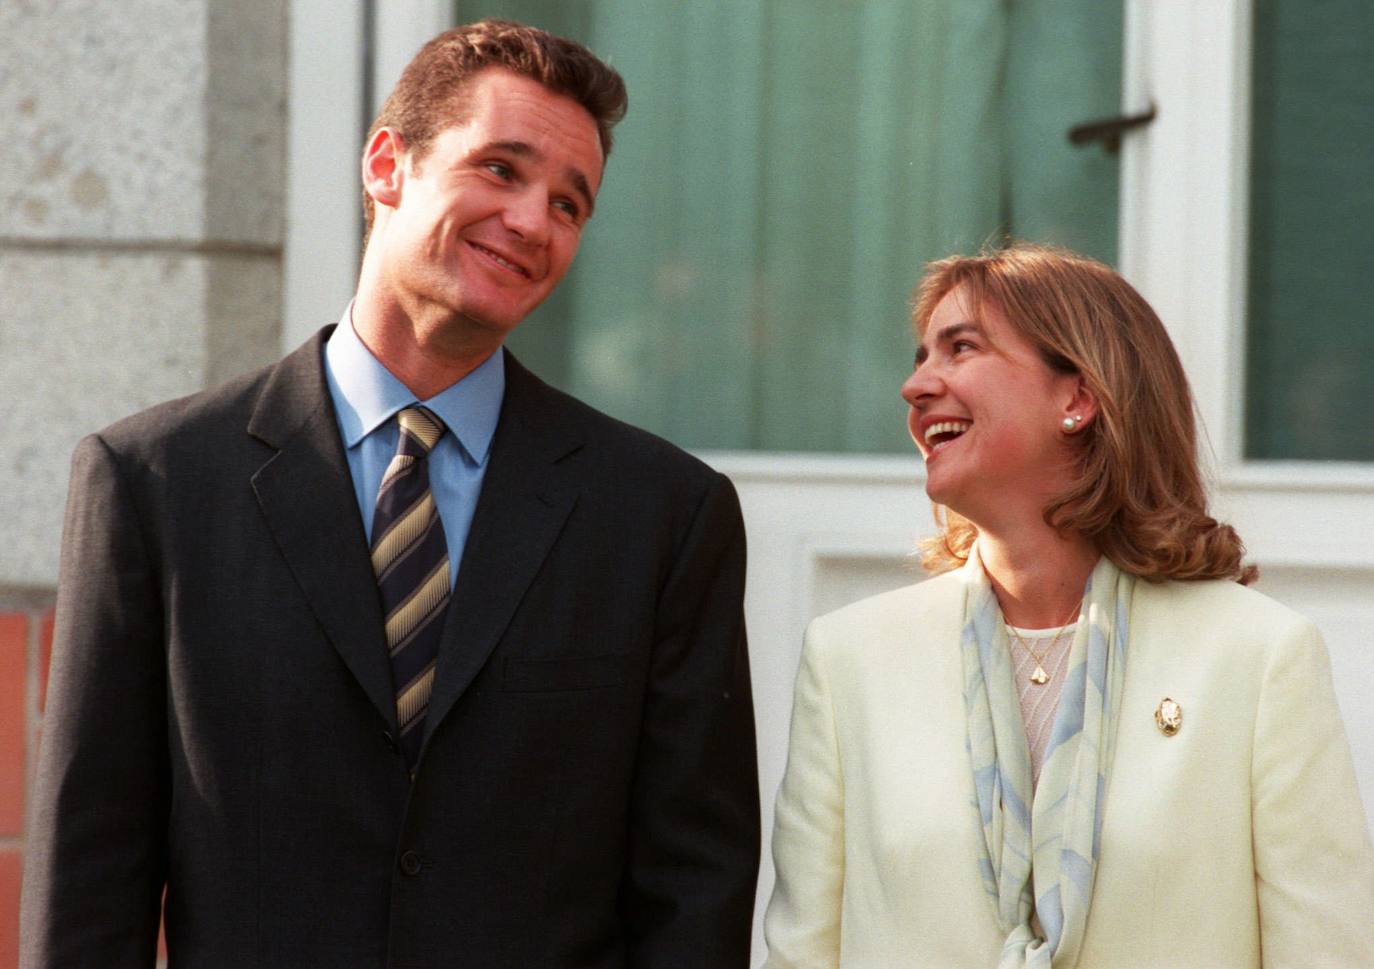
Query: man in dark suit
x: 390, y: 654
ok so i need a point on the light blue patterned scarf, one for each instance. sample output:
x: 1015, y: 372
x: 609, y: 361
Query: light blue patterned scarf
x: 1059, y: 826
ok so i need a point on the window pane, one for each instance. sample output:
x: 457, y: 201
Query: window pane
x: 785, y: 170
x: 1310, y: 381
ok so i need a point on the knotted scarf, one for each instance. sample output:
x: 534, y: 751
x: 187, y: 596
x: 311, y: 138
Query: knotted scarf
x: 1040, y: 850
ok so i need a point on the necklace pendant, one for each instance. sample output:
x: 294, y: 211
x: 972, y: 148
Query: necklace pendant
x: 1039, y: 677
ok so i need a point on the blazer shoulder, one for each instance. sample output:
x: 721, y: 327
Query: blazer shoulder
x: 1243, y: 614
x: 935, y: 594
x: 632, y: 455
x: 214, y: 417
x: 188, y: 415
x: 927, y: 612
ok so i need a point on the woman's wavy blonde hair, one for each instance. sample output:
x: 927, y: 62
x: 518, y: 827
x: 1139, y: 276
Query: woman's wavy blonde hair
x: 1138, y: 495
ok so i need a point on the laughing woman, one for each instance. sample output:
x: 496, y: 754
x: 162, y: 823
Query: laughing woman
x: 1085, y: 742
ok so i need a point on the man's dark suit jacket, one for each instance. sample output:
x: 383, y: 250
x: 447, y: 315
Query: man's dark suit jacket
x: 220, y: 717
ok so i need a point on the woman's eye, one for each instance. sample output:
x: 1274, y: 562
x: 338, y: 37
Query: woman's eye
x: 959, y: 346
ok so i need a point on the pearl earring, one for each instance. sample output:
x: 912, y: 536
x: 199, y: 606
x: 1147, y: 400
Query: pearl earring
x: 1070, y: 424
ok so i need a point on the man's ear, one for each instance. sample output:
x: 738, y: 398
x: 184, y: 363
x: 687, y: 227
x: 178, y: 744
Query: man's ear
x: 384, y: 167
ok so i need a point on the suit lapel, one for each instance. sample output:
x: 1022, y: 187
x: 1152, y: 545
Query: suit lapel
x: 525, y: 501
x: 306, y: 495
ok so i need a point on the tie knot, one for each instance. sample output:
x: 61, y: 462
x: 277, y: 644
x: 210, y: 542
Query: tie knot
x: 420, y: 430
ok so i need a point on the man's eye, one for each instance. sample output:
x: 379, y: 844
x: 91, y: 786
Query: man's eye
x: 959, y: 346
x: 499, y: 169
x: 570, y: 208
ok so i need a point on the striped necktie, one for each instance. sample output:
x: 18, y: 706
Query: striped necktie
x: 410, y: 559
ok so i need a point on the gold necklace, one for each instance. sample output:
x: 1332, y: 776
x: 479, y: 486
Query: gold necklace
x: 1038, y: 676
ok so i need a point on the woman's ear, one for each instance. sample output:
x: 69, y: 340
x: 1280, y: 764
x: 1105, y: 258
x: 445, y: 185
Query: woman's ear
x: 384, y: 167
x: 1081, y: 409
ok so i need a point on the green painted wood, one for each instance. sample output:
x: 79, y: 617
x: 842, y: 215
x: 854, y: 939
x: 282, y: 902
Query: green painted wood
x: 785, y: 170
x: 1310, y: 383
x: 1062, y: 70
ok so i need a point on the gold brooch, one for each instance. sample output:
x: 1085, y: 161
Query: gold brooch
x: 1168, y: 717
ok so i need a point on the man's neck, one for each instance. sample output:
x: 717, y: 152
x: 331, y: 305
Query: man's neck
x: 428, y: 352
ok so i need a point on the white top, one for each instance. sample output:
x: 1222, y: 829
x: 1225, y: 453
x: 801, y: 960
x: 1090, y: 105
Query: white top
x: 1039, y: 701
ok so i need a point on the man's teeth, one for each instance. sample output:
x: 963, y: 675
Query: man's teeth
x: 945, y: 427
x: 505, y: 262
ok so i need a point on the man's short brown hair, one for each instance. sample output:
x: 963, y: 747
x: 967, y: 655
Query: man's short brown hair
x: 429, y: 97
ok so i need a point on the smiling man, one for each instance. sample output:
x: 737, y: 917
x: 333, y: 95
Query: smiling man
x: 392, y: 655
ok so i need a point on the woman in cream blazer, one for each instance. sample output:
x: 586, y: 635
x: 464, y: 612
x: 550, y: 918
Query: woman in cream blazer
x: 1228, y: 830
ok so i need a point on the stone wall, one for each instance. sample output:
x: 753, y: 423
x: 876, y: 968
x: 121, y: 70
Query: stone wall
x: 141, y: 230
x: 140, y: 226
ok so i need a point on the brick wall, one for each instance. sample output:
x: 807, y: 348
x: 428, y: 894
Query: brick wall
x: 25, y: 644
x: 25, y: 649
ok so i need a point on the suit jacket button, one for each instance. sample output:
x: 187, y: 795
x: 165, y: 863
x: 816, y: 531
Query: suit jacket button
x: 410, y: 863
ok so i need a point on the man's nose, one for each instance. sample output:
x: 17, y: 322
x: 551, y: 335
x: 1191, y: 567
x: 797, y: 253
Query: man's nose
x: 527, y: 215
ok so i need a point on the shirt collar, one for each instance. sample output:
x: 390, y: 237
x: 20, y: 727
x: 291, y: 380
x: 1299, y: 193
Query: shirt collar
x: 367, y: 395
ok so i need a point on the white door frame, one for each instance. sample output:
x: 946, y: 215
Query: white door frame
x: 327, y: 74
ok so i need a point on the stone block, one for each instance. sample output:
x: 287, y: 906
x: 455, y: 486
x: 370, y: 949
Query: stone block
x: 242, y: 300
x: 155, y: 120
x: 88, y: 338
x: 107, y: 102
x: 245, y: 175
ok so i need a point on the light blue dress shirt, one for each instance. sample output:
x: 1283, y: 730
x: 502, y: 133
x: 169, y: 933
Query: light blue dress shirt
x: 367, y: 395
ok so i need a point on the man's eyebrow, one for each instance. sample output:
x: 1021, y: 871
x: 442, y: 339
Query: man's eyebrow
x: 523, y: 149
x: 583, y: 187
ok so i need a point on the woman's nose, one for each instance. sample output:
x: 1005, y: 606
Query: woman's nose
x: 922, y: 383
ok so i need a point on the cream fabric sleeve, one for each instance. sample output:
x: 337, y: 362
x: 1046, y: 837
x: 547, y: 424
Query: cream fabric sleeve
x: 1314, y: 865
x: 802, y: 923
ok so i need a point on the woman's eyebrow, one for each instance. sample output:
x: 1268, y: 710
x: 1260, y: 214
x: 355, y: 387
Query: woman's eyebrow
x: 946, y: 334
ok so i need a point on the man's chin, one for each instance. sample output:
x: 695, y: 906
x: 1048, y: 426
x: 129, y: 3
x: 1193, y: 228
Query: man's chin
x: 497, y: 324
x: 467, y: 318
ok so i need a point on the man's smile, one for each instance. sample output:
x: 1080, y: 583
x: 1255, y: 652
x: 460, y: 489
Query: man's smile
x: 504, y: 262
